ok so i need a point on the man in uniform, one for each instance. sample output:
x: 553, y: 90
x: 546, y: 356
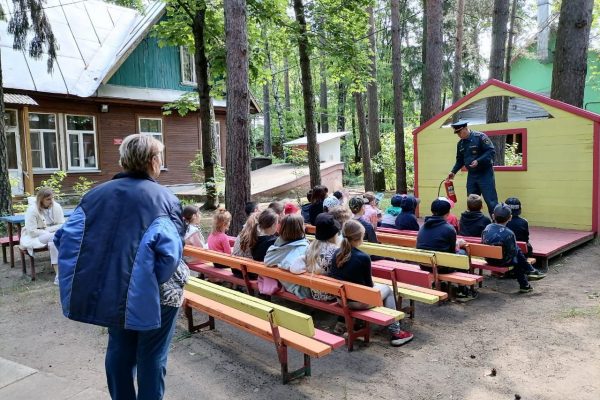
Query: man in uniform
x: 475, y: 151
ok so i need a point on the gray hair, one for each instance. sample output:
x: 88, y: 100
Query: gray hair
x: 136, y: 152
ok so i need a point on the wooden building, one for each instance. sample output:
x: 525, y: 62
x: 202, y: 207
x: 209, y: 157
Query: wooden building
x: 555, y: 165
x: 110, y: 80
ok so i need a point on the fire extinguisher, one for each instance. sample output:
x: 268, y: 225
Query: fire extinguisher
x: 449, y: 186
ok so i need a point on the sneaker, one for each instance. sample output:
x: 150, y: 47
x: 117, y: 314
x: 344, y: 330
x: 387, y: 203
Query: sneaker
x: 340, y: 328
x: 526, y: 289
x: 56, y: 279
x: 400, y: 338
x: 535, y: 275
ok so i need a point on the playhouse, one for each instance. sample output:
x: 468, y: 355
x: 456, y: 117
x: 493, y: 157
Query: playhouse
x: 553, y: 168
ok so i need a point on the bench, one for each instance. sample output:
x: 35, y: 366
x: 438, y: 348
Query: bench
x: 5, y: 242
x: 25, y: 254
x: 345, y: 291
x: 272, y: 322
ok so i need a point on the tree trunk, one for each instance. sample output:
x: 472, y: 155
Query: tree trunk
x: 373, y: 104
x: 237, y: 178
x: 458, y: 52
x: 278, y: 110
x: 432, y: 85
x: 497, y: 57
x: 308, y: 96
x: 286, y: 84
x: 364, y: 142
x: 206, y: 117
x: 323, y: 97
x: 267, y: 148
x: 5, y: 190
x: 509, y: 50
x: 341, y: 107
x: 401, y: 186
x: 570, y: 57
x: 355, y: 139
x: 423, y: 58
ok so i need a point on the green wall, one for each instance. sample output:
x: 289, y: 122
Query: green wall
x: 150, y: 66
x: 532, y: 75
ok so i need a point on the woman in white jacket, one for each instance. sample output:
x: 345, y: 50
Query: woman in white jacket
x: 42, y: 220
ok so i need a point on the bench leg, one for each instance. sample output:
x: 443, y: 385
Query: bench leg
x: 4, y: 260
x: 32, y: 260
x: 282, y: 354
x: 196, y: 328
x: 481, y: 274
x: 23, y: 262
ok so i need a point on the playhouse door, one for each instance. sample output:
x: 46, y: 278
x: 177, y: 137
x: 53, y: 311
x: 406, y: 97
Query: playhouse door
x: 13, y: 146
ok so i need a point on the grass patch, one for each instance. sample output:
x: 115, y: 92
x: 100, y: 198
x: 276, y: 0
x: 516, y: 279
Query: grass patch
x: 581, y: 312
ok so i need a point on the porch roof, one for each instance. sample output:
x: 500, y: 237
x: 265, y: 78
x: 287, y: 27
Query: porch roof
x: 21, y: 99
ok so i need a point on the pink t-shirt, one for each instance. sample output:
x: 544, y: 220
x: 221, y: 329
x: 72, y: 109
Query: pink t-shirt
x: 219, y: 241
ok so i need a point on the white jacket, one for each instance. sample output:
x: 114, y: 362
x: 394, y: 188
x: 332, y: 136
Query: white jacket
x: 36, y: 225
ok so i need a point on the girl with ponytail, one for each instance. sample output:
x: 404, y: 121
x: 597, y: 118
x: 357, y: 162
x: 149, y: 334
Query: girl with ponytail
x: 352, y: 265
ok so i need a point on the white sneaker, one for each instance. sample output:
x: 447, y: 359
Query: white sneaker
x: 56, y: 279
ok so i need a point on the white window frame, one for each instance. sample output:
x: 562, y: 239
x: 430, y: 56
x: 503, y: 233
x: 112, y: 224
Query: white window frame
x: 154, y: 134
x: 15, y: 131
x: 80, y: 134
x: 39, y: 132
x: 217, y: 139
x: 185, y: 52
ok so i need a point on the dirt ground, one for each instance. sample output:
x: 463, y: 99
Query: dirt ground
x: 543, y: 345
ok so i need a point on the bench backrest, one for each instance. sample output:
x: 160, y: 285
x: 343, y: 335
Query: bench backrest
x: 322, y: 283
x: 279, y: 315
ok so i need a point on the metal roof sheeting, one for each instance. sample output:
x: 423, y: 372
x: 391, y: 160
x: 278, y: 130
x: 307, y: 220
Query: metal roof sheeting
x: 93, y: 37
x: 10, y: 98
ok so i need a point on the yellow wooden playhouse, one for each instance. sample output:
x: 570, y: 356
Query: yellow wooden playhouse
x: 553, y: 155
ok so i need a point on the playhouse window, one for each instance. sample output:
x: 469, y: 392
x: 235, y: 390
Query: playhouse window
x: 515, y: 149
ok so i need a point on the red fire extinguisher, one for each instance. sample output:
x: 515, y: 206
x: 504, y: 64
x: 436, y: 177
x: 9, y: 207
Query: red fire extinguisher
x: 449, y: 186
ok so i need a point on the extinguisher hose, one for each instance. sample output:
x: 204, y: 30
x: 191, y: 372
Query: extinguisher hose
x: 440, y: 187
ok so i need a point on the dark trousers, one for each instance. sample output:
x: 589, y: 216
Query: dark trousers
x: 521, y: 268
x: 483, y: 183
x: 141, y: 353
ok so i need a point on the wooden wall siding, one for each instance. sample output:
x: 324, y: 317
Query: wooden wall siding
x: 181, y: 135
x: 555, y: 191
x: 150, y: 66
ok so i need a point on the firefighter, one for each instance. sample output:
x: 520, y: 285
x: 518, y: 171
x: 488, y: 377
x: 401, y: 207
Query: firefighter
x: 475, y: 151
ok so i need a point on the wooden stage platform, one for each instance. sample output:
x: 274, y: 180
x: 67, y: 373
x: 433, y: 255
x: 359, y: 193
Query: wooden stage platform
x: 551, y: 242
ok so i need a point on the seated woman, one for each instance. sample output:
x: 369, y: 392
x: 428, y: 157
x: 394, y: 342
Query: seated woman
x: 319, y: 255
x: 42, y: 219
x: 288, y: 251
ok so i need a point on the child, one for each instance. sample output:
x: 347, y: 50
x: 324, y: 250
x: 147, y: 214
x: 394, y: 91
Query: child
x: 407, y: 220
x: 277, y: 207
x: 319, y: 255
x: 371, y: 209
x: 259, y: 233
x: 319, y: 194
x: 497, y: 234
x: 193, y: 236
x: 451, y: 218
x: 357, y: 206
x: 341, y: 214
x: 288, y: 251
x: 473, y: 222
x: 352, y: 265
x: 218, y: 239
x: 330, y: 202
x: 304, y: 209
x: 290, y: 208
x: 437, y: 234
x: 391, y: 213
x: 519, y: 225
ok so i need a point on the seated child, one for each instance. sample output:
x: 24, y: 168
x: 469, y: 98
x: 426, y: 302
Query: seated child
x: 288, y: 251
x: 304, y: 209
x: 371, y: 209
x: 330, y: 202
x: 218, y: 239
x: 451, y: 219
x: 193, y: 236
x: 519, y: 225
x: 290, y: 208
x: 357, y: 206
x: 407, y: 220
x: 497, y: 234
x: 352, y: 265
x: 319, y: 255
x: 339, y: 195
x: 259, y: 233
x: 473, y: 222
x: 277, y: 207
x: 319, y: 194
x: 391, y: 213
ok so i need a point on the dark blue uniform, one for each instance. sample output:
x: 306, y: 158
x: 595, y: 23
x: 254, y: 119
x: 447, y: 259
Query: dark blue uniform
x: 481, y: 178
x: 500, y: 235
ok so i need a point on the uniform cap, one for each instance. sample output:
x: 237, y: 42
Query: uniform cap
x: 459, y: 124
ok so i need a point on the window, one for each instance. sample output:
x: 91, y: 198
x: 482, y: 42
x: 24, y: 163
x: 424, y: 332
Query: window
x: 515, y: 148
x: 81, y: 142
x: 12, y: 138
x: 153, y: 127
x: 188, y: 66
x: 217, y: 140
x: 44, y: 141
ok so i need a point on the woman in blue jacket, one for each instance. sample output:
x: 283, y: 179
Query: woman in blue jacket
x: 119, y: 267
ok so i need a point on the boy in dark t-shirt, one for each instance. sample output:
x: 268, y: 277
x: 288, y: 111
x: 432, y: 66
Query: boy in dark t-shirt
x: 473, y: 222
x: 519, y: 225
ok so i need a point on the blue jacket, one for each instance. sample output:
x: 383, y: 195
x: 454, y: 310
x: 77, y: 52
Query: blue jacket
x: 123, y: 240
x: 437, y: 235
x: 500, y: 235
x: 476, y: 147
x: 407, y: 220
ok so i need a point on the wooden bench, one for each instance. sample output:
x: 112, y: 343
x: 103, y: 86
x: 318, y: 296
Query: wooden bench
x: 272, y: 322
x: 25, y: 255
x: 344, y: 291
x: 5, y: 242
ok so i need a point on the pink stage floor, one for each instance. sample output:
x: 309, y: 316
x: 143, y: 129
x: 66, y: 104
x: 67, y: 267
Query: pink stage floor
x: 551, y: 242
